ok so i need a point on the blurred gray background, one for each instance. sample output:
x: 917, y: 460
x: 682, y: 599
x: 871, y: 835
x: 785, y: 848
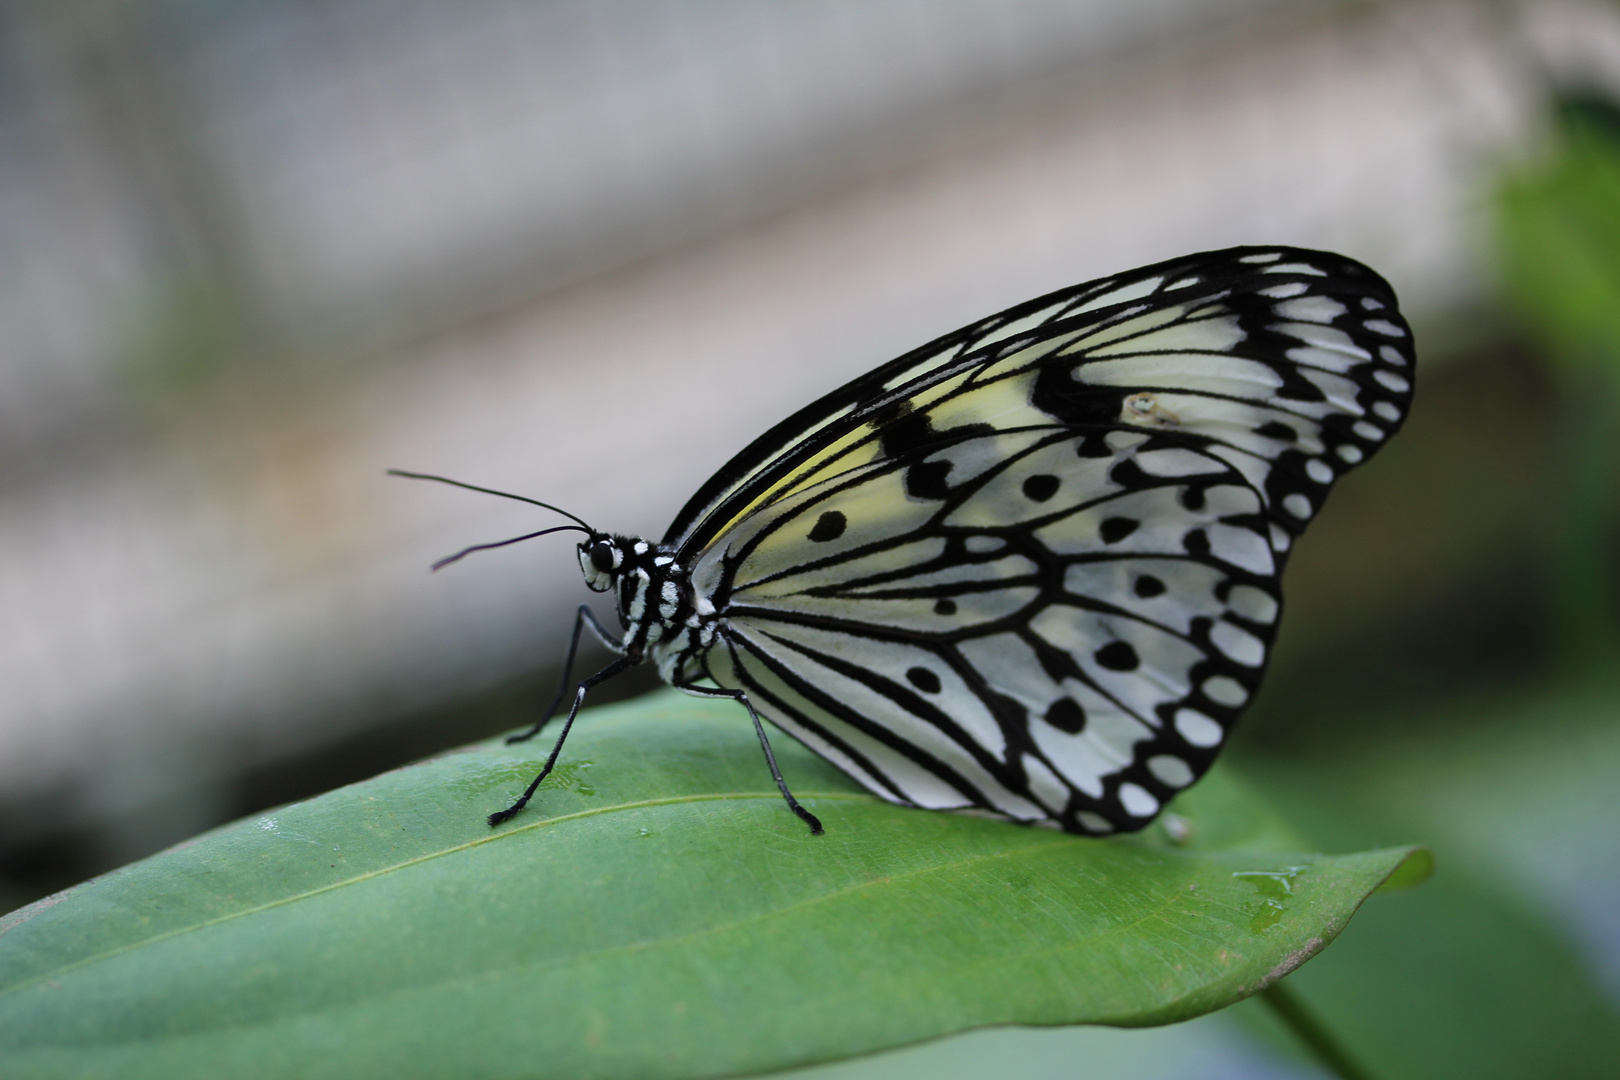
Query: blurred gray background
x: 252, y: 254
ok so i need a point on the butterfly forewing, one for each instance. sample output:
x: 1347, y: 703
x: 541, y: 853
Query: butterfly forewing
x: 1032, y: 568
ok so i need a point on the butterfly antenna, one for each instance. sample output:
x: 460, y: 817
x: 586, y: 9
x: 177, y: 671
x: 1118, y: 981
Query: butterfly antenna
x: 490, y: 491
x: 447, y: 560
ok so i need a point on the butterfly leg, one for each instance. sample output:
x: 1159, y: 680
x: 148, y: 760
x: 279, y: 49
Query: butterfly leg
x: 585, y: 618
x: 765, y: 744
x: 579, y: 699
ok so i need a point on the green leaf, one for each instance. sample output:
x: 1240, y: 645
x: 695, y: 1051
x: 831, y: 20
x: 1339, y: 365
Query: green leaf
x: 656, y: 913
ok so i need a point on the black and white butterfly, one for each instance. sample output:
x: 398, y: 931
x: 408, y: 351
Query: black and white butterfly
x: 1031, y: 568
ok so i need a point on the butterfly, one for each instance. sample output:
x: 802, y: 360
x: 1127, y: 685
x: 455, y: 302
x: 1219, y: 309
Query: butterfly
x: 1031, y: 568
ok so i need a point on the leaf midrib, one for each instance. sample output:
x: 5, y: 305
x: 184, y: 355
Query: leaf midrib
x: 697, y: 934
x: 402, y: 865
x: 677, y: 940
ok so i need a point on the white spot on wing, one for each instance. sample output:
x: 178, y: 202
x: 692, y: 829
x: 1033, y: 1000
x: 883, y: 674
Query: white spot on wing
x: 1315, y: 309
x: 1137, y: 801
x: 1223, y: 690
x: 1328, y: 359
x: 1240, y: 547
x: 1198, y: 729
x: 1254, y: 604
x: 1238, y: 644
x: 1171, y: 771
x: 1095, y: 822
x: 1178, y: 462
x: 1123, y: 440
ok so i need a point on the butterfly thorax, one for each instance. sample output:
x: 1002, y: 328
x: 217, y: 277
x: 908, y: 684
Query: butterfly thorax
x: 653, y: 595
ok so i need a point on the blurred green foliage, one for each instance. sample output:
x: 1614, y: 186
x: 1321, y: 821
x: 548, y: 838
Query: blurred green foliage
x: 178, y: 335
x: 1560, y: 237
x: 1559, y: 257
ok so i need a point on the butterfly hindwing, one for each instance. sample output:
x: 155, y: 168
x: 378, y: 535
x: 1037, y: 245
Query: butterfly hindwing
x: 1014, y: 633
x: 1033, y: 567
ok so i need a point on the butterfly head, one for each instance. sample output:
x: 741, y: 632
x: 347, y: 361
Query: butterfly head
x: 601, y: 557
x: 605, y: 558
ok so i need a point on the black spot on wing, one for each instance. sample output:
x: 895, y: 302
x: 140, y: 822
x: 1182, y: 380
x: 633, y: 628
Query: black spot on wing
x: 1058, y: 395
x: 904, y: 433
x: 1066, y: 715
x: 1129, y: 475
x: 1118, y: 656
x: 1041, y: 487
x: 829, y: 526
x: 1147, y: 586
x: 923, y: 679
x: 929, y: 480
x: 1115, y: 529
x: 1094, y: 446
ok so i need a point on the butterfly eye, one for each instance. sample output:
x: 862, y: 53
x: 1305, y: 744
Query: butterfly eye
x: 602, y: 556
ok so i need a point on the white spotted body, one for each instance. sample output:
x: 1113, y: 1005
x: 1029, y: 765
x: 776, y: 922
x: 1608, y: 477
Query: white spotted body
x: 661, y: 617
x: 1032, y: 568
